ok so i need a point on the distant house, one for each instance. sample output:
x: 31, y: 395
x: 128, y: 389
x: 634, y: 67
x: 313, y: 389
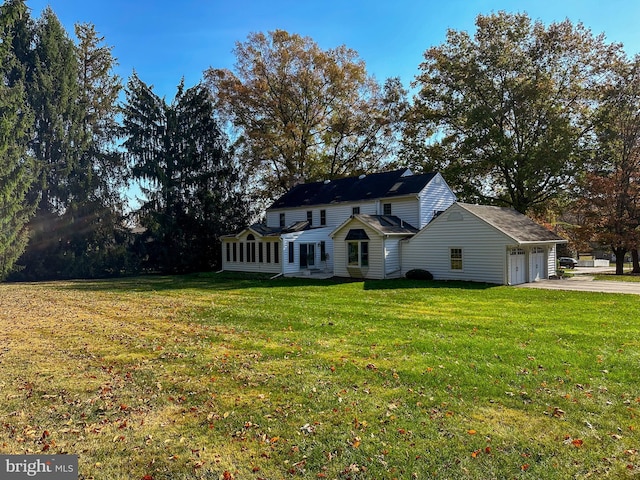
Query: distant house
x: 382, y: 225
x: 303, y: 226
x: 483, y: 244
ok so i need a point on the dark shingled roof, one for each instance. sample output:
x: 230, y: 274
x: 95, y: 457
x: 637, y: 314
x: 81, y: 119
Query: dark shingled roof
x: 353, y: 189
x: 513, y: 223
x: 387, y: 224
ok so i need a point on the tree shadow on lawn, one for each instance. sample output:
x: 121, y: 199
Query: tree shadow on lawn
x: 238, y: 281
x: 403, y: 283
x: 200, y: 281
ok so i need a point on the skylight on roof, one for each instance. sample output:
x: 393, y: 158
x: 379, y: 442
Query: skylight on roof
x: 395, y: 187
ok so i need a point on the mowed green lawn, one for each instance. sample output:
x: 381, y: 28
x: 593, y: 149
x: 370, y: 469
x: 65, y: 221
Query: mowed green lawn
x: 224, y: 376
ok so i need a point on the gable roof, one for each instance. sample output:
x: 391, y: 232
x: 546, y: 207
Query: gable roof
x: 383, y: 224
x: 512, y: 223
x: 352, y: 189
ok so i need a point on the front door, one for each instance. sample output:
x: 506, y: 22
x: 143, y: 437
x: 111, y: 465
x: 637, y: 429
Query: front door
x: 307, y: 255
x: 516, y: 266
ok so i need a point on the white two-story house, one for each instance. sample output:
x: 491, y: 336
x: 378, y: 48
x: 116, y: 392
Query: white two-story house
x: 347, y: 227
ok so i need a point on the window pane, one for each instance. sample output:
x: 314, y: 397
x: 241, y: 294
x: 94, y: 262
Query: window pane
x: 276, y: 252
x: 386, y: 209
x: 364, y: 254
x: 456, y: 259
x: 323, y: 217
x: 352, y: 249
x: 291, y: 252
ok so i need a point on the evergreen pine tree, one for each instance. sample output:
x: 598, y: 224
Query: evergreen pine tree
x: 17, y: 167
x: 193, y: 186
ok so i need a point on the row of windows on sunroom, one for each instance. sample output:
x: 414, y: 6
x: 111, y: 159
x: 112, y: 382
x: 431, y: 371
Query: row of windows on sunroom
x: 246, y: 252
x: 386, y: 210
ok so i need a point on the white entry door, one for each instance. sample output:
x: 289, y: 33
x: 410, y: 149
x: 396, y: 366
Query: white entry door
x: 516, y: 266
x: 536, y: 264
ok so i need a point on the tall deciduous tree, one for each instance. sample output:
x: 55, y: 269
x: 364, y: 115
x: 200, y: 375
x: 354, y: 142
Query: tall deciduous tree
x: 17, y: 167
x: 192, y: 184
x: 610, y: 188
x: 304, y: 113
x: 505, y: 113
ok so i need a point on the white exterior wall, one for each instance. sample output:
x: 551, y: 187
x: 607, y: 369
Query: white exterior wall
x: 392, y: 257
x: 288, y: 241
x: 314, y: 236
x: 551, y: 261
x: 405, y: 208
x: 435, y: 197
x: 335, y: 214
x: 376, y: 253
x: 483, y: 249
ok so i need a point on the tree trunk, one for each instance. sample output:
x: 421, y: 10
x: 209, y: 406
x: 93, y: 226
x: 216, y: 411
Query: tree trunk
x: 620, y: 253
x: 636, y: 261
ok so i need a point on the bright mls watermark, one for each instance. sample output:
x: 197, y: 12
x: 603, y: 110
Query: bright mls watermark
x: 49, y: 467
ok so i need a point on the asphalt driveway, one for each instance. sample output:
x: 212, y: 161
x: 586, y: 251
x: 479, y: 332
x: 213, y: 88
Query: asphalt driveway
x: 583, y: 281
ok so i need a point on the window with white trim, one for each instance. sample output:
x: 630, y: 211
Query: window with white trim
x: 455, y: 256
x: 358, y: 254
x: 357, y: 248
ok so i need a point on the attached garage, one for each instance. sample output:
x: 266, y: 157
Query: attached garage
x: 482, y: 244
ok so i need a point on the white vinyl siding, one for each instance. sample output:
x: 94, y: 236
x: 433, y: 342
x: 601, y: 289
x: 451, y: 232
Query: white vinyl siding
x: 314, y: 236
x: 435, y: 197
x: 484, y: 251
x: 551, y: 261
x: 392, y: 257
x: 375, y: 269
x: 405, y: 209
x: 335, y: 214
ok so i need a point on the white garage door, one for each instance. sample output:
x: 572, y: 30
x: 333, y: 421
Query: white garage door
x: 536, y: 264
x: 516, y: 266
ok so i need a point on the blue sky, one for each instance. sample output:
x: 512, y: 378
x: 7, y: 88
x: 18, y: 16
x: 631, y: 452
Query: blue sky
x: 167, y: 40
